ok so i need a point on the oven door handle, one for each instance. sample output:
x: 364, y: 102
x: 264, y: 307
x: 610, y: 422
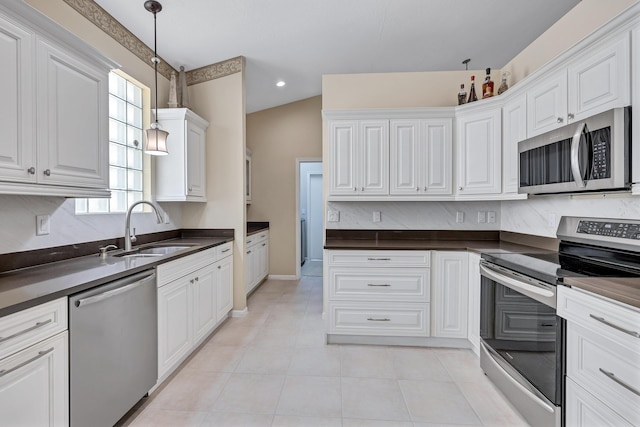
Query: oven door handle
x: 575, y: 155
x: 545, y: 296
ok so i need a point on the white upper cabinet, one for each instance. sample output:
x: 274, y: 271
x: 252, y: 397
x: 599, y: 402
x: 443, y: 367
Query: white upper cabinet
x: 600, y: 79
x: 359, y: 157
x: 72, y: 113
x: 17, y: 150
x: 421, y: 157
x: 181, y: 176
x: 479, y: 144
x: 596, y: 80
x: 54, y: 115
x: 514, y: 129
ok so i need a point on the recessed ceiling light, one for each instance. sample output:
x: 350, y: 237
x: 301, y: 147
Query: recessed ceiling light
x: 280, y: 83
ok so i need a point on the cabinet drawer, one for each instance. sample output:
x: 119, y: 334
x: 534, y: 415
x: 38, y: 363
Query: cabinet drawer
x: 387, y: 319
x: 224, y: 250
x: 257, y: 238
x: 608, y: 369
x: 170, y: 271
x: 383, y: 284
x: 584, y: 410
x: 380, y: 258
x: 25, y: 328
x: 619, y: 322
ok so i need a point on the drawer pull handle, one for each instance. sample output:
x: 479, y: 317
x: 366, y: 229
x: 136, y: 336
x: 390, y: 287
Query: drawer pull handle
x: 386, y: 285
x: 372, y: 319
x: 17, y: 334
x: 264, y: 244
x: 226, y: 250
x: 614, y: 326
x: 612, y: 376
x: 379, y: 259
x: 25, y: 363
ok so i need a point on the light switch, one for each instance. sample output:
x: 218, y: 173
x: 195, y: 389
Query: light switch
x: 482, y: 217
x: 376, y: 216
x: 491, y: 217
x: 459, y: 217
x: 333, y: 216
x: 43, y: 225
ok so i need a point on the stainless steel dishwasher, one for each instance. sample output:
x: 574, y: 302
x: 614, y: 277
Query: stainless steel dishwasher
x: 113, y: 347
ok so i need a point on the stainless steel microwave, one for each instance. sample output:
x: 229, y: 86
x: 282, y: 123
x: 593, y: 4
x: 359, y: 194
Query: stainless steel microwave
x: 588, y: 155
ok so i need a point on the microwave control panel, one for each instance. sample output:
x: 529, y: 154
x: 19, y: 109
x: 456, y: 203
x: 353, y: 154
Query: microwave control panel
x: 619, y: 230
x: 601, y: 162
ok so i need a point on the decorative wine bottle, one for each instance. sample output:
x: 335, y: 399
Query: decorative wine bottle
x: 503, y: 86
x: 472, y: 92
x: 487, y: 86
x: 462, y: 95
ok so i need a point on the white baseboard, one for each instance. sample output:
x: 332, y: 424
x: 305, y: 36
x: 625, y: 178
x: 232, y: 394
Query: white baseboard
x: 240, y: 313
x: 283, y: 277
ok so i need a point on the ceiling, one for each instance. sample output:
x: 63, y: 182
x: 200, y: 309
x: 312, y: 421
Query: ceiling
x: 298, y: 41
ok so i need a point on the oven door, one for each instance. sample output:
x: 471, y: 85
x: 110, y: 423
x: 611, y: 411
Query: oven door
x: 522, y: 335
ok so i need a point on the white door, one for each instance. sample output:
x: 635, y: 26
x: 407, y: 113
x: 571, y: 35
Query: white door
x: 195, y: 160
x: 224, y: 285
x: 314, y: 217
x: 204, y: 301
x: 374, y: 157
x: 436, y: 155
x: 547, y: 105
x: 514, y: 129
x: 404, y: 148
x: 450, y: 298
x: 174, y: 323
x: 343, y: 161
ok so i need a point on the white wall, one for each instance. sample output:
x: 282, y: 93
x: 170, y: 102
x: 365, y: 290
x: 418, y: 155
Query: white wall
x: 413, y: 215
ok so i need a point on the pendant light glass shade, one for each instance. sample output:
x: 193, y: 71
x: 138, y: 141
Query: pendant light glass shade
x: 156, y: 142
x: 156, y: 138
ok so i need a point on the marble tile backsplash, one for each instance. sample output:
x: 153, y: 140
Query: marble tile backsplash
x: 413, y: 215
x: 18, y: 223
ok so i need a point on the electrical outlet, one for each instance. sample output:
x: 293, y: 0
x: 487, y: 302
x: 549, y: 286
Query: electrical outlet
x: 376, y: 216
x: 491, y: 217
x: 333, y: 216
x: 459, y: 217
x: 43, y: 225
x: 482, y: 217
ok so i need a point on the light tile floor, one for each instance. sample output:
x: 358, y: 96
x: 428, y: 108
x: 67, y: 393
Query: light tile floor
x: 272, y: 368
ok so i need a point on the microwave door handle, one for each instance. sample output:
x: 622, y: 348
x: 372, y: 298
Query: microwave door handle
x: 575, y: 155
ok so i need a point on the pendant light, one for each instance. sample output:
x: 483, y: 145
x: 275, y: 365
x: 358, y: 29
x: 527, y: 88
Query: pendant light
x: 156, y: 137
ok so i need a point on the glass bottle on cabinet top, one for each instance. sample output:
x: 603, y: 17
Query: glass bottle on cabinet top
x: 472, y: 92
x: 487, y: 86
x: 462, y: 95
x: 503, y: 85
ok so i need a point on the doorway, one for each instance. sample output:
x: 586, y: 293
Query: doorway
x: 311, y: 225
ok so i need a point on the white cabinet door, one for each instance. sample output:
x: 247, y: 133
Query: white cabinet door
x: 17, y: 139
x: 72, y: 113
x: 436, y: 148
x: 584, y: 410
x: 600, y: 80
x: 174, y: 323
x: 263, y: 259
x: 404, y: 154
x: 34, y: 385
x: 450, y: 294
x: 196, y: 154
x: 224, y: 287
x: 479, y: 152
x: 204, y: 287
x: 473, y: 323
x: 343, y: 160
x: 374, y: 157
x: 547, y: 104
x: 514, y: 129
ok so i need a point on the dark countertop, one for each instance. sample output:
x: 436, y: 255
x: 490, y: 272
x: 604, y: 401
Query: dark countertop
x: 28, y: 287
x: 254, y: 227
x: 623, y: 289
x: 477, y: 246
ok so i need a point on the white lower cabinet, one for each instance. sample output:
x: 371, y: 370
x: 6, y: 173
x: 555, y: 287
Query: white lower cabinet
x: 34, y: 366
x: 379, y: 293
x: 257, y: 260
x: 603, y: 356
x: 195, y: 294
x: 473, y: 322
x: 450, y: 294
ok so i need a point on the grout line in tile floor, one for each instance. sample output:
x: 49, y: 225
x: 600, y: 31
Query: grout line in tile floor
x: 427, y: 381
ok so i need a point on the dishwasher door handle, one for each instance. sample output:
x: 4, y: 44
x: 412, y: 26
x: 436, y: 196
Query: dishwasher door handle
x: 129, y: 283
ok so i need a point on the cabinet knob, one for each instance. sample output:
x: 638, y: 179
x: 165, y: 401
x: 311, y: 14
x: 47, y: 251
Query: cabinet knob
x: 560, y: 120
x: 190, y: 188
x: 47, y: 172
x: 425, y: 189
x: 191, y: 281
x: 417, y: 188
x: 459, y: 188
x: 361, y: 188
x: 219, y: 268
x: 355, y: 189
x: 31, y: 170
x: 197, y: 279
x: 570, y: 116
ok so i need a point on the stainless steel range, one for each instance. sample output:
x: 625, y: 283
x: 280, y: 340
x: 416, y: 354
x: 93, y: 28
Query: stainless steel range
x: 522, y: 348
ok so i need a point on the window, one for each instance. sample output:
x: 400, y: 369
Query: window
x: 126, y: 176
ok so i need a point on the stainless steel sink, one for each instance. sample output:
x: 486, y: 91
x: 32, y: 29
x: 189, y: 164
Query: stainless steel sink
x: 137, y: 254
x: 162, y: 250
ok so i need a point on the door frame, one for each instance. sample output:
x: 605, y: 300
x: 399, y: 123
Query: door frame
x: 298, y: 231
x: 309, y: 175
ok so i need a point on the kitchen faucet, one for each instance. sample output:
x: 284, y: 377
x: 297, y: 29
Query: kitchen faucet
x: 127, y: 226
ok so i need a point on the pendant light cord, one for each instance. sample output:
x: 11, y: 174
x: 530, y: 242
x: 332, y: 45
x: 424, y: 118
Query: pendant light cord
x: 155, y: 63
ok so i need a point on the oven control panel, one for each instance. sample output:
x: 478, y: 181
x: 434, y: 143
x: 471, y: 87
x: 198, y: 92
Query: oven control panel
x: 620, y: 230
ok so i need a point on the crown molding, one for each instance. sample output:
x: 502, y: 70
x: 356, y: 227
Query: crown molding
x: 110, y: 25
x: 215, y: 71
